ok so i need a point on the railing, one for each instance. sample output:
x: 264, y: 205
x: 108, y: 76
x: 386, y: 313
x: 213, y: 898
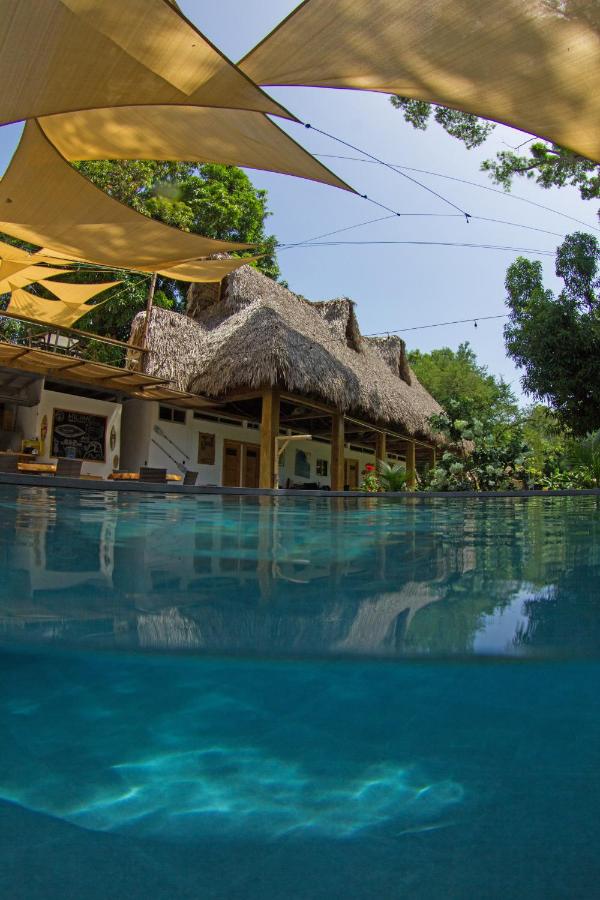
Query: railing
x: 80, y: 344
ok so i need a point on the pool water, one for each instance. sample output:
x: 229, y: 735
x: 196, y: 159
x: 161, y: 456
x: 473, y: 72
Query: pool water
x: 298, y: 698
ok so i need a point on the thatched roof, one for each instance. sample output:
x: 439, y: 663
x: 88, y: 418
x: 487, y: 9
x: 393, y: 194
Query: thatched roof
x: 259, y: 334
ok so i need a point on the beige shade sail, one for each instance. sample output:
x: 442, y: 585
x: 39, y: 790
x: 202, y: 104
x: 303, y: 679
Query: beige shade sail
x: 30, y: 275
x: 44, y: 201
x: 192, y: 134
x: 47, y: 312
x: 206, y: 270
x: 77, y: 294
x: 65, y: 55
x: 10, y: 267
x: 8, y: 252
x: 532, y: 64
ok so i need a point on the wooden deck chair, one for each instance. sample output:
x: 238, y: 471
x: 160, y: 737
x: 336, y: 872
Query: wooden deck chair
x: 155, y: 476
x: 68, y: 468
x: 9, y: 463
x: 190, y: 478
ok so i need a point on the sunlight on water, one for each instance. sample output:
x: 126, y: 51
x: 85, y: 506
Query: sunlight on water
x: 228, y: 791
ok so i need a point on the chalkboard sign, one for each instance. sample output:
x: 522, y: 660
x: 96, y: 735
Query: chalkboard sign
x: 78, y: 435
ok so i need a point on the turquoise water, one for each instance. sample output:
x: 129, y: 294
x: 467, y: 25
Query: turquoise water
x: 300, y: 698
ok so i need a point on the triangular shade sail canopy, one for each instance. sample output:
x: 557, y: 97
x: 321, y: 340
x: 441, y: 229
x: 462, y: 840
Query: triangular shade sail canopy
x: 47, y: 312
x: 77, y: 294
x: 65, y: 55
x: 44, y: 201
x: 30, y: 275
x: 8, y: 252
x: 206, y: 270
x: 192, y: 134
x: 9, y: 267
x: 532, y: 64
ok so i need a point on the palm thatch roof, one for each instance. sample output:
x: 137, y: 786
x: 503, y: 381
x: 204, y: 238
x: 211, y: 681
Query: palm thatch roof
x: 257, y: 334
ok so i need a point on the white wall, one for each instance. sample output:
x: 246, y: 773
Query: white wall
x: 29, y: 420
x: 175, y: 446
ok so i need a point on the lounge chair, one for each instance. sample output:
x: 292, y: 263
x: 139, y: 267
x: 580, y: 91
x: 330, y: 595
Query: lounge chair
x: 68, y: 468
x: 190, y: 478
x: 154, y: 476
x: 9, y: 463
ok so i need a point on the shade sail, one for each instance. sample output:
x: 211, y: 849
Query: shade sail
x: 29, y: 275
x: 532, y: 64
x: 43, y: 200
x: 206, y: 270
x: 48, y: 312
x: 77, y: 294
x: 191, y: 134
x: 9, y: 252
x: 10, y: 267
x: 64, y: 55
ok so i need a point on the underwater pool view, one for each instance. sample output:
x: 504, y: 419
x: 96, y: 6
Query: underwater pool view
x: 241, y: 697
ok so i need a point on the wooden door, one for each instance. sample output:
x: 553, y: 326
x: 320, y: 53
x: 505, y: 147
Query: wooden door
x: 251, y: 465
x: 351, y: 478
x: 232, y: 463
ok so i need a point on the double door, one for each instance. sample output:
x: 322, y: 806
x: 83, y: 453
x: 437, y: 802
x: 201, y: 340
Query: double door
x: 241, y: 464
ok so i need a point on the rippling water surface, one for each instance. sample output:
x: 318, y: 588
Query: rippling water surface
x: 255, y: 698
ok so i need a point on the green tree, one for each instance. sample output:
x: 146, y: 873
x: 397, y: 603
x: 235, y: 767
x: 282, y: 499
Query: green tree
x: 213, y: 200
x: 456, y: 377
x: 556, y: 338
x: 546, y: 163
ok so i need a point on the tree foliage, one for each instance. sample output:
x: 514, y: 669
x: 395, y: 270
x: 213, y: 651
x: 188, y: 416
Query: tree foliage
x: 556, y: 338
x: 213, y: 200
x: 456, y: 377
x: 544, y: 162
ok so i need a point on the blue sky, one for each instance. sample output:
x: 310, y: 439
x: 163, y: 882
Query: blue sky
x: 394, y: 286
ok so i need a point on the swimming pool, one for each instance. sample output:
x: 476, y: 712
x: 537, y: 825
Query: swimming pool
x: 256, y: 697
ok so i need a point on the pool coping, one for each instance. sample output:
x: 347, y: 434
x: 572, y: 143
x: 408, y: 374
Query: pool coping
x: 84, y: 484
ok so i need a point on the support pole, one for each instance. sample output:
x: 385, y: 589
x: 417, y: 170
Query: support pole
x: 149, y: 305
x: 433, y: 458
x: 381, y: 446
x: 411, y: 465
x: 269, y: 430
x: 337, y: 452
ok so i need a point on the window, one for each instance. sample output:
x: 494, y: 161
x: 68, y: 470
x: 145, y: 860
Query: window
x: 170, y: 414
x: 322, y: 467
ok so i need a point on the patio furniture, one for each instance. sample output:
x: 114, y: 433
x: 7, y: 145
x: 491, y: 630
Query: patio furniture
x: 124, y: 475
x: 68, y: 468
x: 154, y: 476
x: 9, y: 463
x: 190, y: 478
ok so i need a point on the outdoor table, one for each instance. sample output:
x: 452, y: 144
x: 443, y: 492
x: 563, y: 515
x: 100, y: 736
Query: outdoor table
x: 135, y: 476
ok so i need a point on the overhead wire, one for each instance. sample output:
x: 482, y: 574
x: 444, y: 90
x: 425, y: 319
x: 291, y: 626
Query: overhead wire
x: 382, y: 162
x: 483, y: 187
x: 436, y: 325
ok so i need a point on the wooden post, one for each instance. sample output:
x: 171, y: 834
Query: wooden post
x: 269, y: 429
x: 411, y: 465
x: 337, y: 452
x: 433, y: 458
x: 149, y: 305
x: 380, y: 446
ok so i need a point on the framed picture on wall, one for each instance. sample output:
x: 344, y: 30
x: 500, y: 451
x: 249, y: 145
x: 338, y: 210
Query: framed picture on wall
x: 78, y: 435
x: 206, y: 449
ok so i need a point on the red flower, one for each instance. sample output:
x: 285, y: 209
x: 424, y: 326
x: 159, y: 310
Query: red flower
x: 369, y: 468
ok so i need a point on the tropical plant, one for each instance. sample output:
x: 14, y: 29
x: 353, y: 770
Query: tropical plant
x: 476, y: 459
x: 585, y: 455
x: 392, y: 476
x: 370, y: 480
